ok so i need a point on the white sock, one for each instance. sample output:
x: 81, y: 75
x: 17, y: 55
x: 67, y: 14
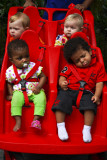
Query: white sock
x: 87, y: 134
x: 62, y: 133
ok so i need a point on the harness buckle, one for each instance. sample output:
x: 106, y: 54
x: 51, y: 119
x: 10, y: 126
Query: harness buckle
x: 23, y: 88
x: 82, y: 84
x: 23, y: 84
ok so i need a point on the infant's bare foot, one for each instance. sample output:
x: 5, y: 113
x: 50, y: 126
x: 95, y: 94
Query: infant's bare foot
x: 17, y: 126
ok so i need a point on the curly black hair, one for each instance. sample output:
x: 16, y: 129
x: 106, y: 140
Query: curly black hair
x: 16, y: 45
x: 73, y: 45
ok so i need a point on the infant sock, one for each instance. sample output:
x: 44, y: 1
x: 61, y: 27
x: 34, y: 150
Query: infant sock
x: 87, y: 134
x: 62, y: 133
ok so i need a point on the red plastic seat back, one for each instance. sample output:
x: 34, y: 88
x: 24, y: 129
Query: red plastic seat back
x: 36, y: 22
x: 72, y: 11
x: 34, y: 16
x: 82, y: 35
x: 33, y: 40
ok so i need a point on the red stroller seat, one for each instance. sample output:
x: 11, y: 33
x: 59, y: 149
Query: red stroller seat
x: 47, y: 141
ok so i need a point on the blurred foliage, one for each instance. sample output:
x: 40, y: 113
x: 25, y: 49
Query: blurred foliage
x: 98, y: 8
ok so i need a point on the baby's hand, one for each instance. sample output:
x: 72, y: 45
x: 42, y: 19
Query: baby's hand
x: 9, y: 97
x: 81, y: 7
x: 96, y: 99
x: 64, y: 85
x: 29, y: 3
x: 35, y: 90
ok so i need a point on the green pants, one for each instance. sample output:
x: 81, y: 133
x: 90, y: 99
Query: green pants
x: 17, y: 103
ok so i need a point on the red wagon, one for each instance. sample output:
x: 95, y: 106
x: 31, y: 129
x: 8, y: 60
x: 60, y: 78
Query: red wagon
x: 46, y: 141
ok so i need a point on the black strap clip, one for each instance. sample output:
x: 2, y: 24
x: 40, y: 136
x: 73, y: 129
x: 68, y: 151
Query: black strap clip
x: 23, y: 84
x: 82, y: 84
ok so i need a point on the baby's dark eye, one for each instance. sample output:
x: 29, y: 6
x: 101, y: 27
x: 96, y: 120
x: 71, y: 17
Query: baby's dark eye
x: 27, y: 56
x: 66, y: 26
x: 16, y: 29
x: 72, y: 27
x: 19, y: 58
x: 82, y: 56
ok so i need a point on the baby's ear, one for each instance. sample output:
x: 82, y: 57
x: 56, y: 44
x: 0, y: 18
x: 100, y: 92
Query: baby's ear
x: 10, y: 59
x: 27, y: 28
x: 90, y: 51
x: 81, y: 29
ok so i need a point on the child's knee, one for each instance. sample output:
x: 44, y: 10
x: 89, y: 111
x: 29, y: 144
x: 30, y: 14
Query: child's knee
x: 18, y: 98
x: 40, y: 98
